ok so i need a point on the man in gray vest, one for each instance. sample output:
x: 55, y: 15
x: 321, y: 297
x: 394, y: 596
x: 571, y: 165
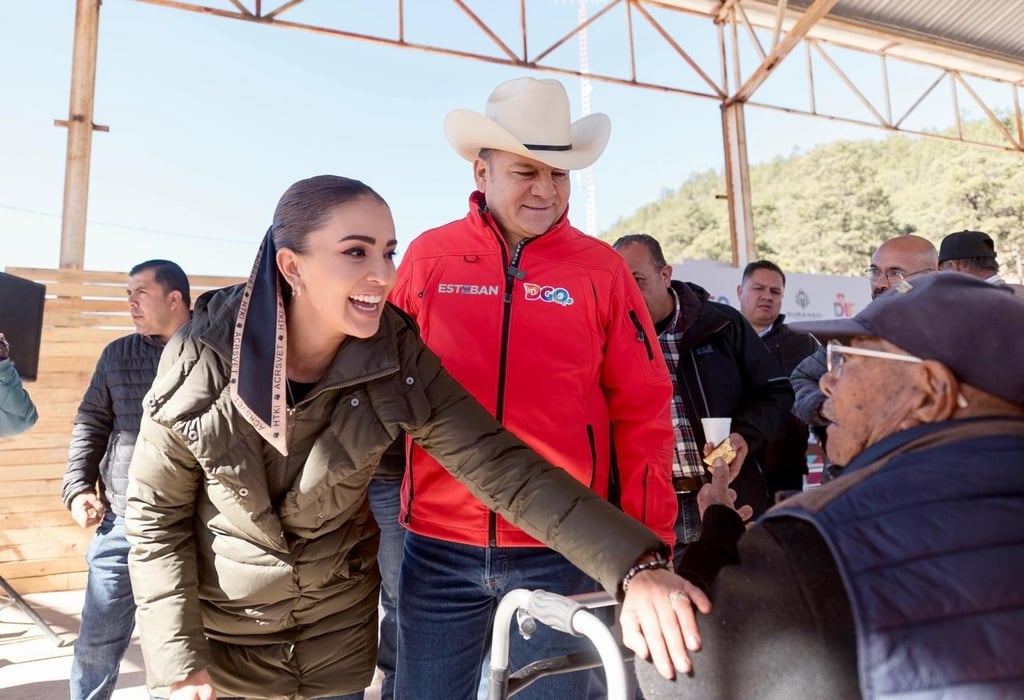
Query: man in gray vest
x: 903, y: 577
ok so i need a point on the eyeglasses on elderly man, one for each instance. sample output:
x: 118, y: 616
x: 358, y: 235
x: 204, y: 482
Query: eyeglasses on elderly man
x: 895, y: 275
x: 835, y: 358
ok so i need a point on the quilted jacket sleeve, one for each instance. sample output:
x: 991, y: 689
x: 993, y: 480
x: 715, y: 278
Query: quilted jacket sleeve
x: 90, y: 434
x: 162, y: 489
x: 511, y: 479
x: 809, y: 398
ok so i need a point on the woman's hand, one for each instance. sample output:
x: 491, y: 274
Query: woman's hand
x: 658, y: 622
x: 198, y: 686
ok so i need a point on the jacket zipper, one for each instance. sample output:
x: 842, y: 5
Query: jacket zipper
x: 700, y: 387
x: 293, y: 410
x: 641, y: 335
x: 512, y: 273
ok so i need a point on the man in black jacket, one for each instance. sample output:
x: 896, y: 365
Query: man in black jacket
x: 102, y: 442
x: 902, y: 578
x: 719, y: 368
x: 760, y: 292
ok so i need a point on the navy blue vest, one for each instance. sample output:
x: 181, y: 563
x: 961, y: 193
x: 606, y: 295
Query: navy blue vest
x: 927, y: 530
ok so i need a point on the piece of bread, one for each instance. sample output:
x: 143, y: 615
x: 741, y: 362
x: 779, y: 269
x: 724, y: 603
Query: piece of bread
x: 724, y: 449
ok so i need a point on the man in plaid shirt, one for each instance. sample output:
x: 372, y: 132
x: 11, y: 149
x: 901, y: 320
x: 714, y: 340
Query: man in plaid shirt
x: 720, y: 368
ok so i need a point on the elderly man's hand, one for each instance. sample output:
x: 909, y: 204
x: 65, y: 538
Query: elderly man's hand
x: 658, y: 622
x: 718, y: 492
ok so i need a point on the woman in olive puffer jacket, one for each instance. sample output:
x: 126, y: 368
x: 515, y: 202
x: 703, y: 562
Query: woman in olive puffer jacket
x: 253, y: 556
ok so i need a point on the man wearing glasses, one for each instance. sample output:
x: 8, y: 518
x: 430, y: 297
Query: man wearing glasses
x: 895, y: 260
x: 903, y: 578
x: 900, y: 258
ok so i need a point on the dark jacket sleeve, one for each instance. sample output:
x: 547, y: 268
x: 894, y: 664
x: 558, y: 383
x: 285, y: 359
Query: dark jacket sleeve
x: 767, y: 394
x: 17, y: 412
x: 781, y: 625
x: 90, y: 434
x: 721, y: 529
x: 807, y: 406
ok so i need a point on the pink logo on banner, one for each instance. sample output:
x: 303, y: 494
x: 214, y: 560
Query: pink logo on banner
x: 843, y: 308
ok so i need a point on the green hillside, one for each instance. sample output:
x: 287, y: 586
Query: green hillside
x: 825, y: 210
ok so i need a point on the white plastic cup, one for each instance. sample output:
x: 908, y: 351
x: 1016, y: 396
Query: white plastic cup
x: 716, y: 429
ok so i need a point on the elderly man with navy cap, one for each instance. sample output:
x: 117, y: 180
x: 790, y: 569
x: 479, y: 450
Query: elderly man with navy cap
x: 903, y: 578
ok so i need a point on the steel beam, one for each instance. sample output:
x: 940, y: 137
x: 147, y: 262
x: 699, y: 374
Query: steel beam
x: 813, y: 27
x: 80, y: 128
x: 810, y: 17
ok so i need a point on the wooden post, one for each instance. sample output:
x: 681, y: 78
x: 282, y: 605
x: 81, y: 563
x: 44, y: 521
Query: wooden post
x: 80, y: 128
x: 737, y: 183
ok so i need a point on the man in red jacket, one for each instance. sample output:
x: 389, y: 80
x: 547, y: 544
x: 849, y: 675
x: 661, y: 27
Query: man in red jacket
x: 545, y: 326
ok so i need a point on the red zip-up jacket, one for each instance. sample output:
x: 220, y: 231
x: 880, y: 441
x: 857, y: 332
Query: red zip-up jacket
x: 555, y: 340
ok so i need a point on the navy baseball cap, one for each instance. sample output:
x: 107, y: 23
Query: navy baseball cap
x: 974, y: 328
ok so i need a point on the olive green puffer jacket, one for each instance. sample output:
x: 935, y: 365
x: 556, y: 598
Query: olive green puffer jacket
x: 262, y: 567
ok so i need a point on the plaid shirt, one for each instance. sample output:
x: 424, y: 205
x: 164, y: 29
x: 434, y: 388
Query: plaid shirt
x: 687, y: 460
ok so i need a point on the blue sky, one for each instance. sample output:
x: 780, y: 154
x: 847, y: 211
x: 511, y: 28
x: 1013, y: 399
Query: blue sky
x: 211, y: 119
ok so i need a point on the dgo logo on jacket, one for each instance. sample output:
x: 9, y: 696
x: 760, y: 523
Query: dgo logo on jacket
x: 556, y: 295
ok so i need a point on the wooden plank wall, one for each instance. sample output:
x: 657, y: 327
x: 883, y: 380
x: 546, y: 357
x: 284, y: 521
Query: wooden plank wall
x: 41, y: 547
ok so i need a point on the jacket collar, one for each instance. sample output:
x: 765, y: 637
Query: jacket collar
x: 775, y: 327
x: 875, y: 457
x: 698, y: 318
x: 358, y: 360
x: 481, y: 217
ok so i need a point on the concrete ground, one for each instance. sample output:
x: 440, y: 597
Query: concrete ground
x: 34, y: 667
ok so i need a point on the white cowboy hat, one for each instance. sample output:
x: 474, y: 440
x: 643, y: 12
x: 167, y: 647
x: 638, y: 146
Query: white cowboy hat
x: 530, y: 117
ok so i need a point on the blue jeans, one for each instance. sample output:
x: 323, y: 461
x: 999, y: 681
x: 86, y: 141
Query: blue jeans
x: 385, y: 502
x: 687, y: 524
x: 108, y: 614
x: 448, y: 595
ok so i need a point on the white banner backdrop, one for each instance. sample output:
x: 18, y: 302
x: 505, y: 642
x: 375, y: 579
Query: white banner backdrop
x: 808, y: 297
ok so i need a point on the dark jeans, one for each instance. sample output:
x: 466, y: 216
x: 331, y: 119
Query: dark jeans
x: 447, y: 598
x: 687, y: 524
